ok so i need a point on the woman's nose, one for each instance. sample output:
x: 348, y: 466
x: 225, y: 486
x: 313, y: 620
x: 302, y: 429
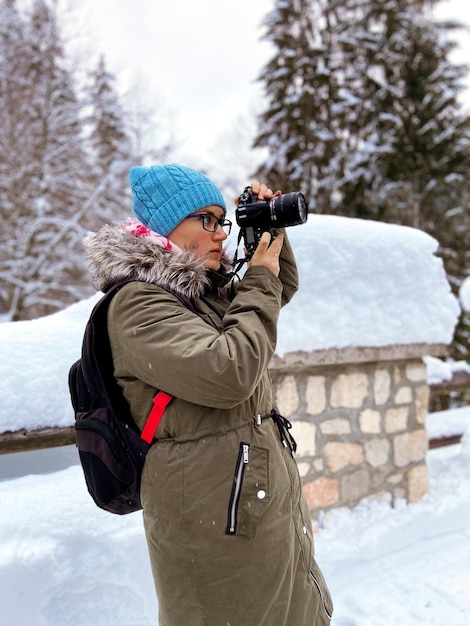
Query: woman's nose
x: 220, y: 233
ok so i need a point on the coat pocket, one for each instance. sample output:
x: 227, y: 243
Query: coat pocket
x: 250, y: 491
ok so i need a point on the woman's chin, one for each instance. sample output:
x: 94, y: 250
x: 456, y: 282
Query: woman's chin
x: 212, y: 264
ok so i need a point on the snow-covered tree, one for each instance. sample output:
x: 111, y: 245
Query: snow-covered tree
x: 301, y: 126
x: 111, y: 149
x: 65, y: 154
x: 151, y: 125
x: 413, y: 133
x: 357, y: 92
x: 43, y: 167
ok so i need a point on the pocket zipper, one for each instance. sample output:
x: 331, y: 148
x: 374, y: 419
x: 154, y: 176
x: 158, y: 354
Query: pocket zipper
x: 242, y: 462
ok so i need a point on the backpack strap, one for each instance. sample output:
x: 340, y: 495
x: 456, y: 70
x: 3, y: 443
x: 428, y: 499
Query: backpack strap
x: 161, y: 399
x: 160, y: 402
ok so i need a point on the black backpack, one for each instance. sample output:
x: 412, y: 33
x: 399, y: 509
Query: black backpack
x: 112, y: 450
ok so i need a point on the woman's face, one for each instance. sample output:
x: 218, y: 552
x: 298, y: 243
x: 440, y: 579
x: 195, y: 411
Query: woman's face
x: 190, y: 234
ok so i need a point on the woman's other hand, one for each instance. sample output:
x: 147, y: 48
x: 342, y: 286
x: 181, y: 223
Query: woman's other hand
x: 267, y: 253
x: 263, y: 191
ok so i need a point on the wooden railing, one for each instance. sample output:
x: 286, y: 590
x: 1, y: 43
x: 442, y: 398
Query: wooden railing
x: 24, y: 441
x: 441, y: 399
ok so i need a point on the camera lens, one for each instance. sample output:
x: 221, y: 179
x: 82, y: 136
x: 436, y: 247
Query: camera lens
x: 289, y: 209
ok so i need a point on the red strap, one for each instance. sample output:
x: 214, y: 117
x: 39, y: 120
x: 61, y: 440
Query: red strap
x: 160, y: 401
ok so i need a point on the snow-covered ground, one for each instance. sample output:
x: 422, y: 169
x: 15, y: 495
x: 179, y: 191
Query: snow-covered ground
x: 64, y: 562
x: 409, y: 565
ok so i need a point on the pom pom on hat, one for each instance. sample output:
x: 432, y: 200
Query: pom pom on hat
x: 164, y: 195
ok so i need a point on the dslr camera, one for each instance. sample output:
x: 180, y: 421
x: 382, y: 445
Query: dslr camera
x: 254, y: 217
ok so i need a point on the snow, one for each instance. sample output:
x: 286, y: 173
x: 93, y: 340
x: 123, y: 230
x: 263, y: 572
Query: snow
x: 64, y: 562
x: 440, y: 371
x: 448, y: 423
x: 464, y: 294
x: 362, y: 283
x: 366, y: 283
x: 406, y: 565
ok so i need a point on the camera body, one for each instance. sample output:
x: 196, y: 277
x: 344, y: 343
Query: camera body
x: 254, y: 217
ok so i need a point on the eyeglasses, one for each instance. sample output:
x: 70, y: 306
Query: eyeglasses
x: 211, y: 222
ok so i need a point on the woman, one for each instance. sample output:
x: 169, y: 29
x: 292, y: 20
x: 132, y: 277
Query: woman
x: 228, y: 530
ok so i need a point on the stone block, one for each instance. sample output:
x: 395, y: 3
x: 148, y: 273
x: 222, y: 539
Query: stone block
x: 421, y: 403
x: 395, y: 478
x: 315, y: 394
x: 377, y: 452
x: 349, y: 390
x: 321, y: 493
x: 418, y: 482
x: 396, y: 419
x: 336, y: 426
x: 410, y: 448
x: 416, y: 372
x: 287, y: 396
x: 355, y: 486
x: 382, y: 385
x: 341, y: 454
x: 304, y: 468
x: 304, y: 433
x: 404, y: 395
x: 369, y: 421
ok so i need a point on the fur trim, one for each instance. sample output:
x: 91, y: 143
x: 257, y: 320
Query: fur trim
x: 115, y: 254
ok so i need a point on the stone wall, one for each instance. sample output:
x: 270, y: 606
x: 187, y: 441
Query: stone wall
x: 358, y: 417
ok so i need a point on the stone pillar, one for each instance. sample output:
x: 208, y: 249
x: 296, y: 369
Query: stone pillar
x: 359, y: 423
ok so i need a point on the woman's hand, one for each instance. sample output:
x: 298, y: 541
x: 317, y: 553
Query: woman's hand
x: 267, y: 253
x: 263, y: 191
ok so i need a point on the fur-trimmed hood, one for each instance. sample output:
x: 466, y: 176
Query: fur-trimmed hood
x: 115, y: 254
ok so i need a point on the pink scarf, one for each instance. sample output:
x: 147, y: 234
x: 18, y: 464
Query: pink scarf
x: 139, y: 230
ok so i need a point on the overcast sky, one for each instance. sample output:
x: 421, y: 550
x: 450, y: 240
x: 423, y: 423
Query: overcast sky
x: 201, y: 57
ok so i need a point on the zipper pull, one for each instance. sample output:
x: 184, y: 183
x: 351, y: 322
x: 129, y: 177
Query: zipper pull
x: 246, y: 448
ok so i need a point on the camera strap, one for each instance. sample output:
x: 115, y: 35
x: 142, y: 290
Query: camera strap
x: 237, y: 263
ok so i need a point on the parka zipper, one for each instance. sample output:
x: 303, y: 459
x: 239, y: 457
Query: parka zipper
x: 242, y: 462
x: 322, y: 597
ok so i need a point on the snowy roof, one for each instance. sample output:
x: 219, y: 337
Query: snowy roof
x: 366, y: 283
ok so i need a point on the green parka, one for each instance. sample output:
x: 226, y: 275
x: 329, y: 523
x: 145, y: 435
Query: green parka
x: 228, y: 530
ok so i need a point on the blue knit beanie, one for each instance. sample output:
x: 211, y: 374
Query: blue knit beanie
x: 163, y: 195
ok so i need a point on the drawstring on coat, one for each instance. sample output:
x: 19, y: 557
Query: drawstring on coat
x: 283, y: 426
